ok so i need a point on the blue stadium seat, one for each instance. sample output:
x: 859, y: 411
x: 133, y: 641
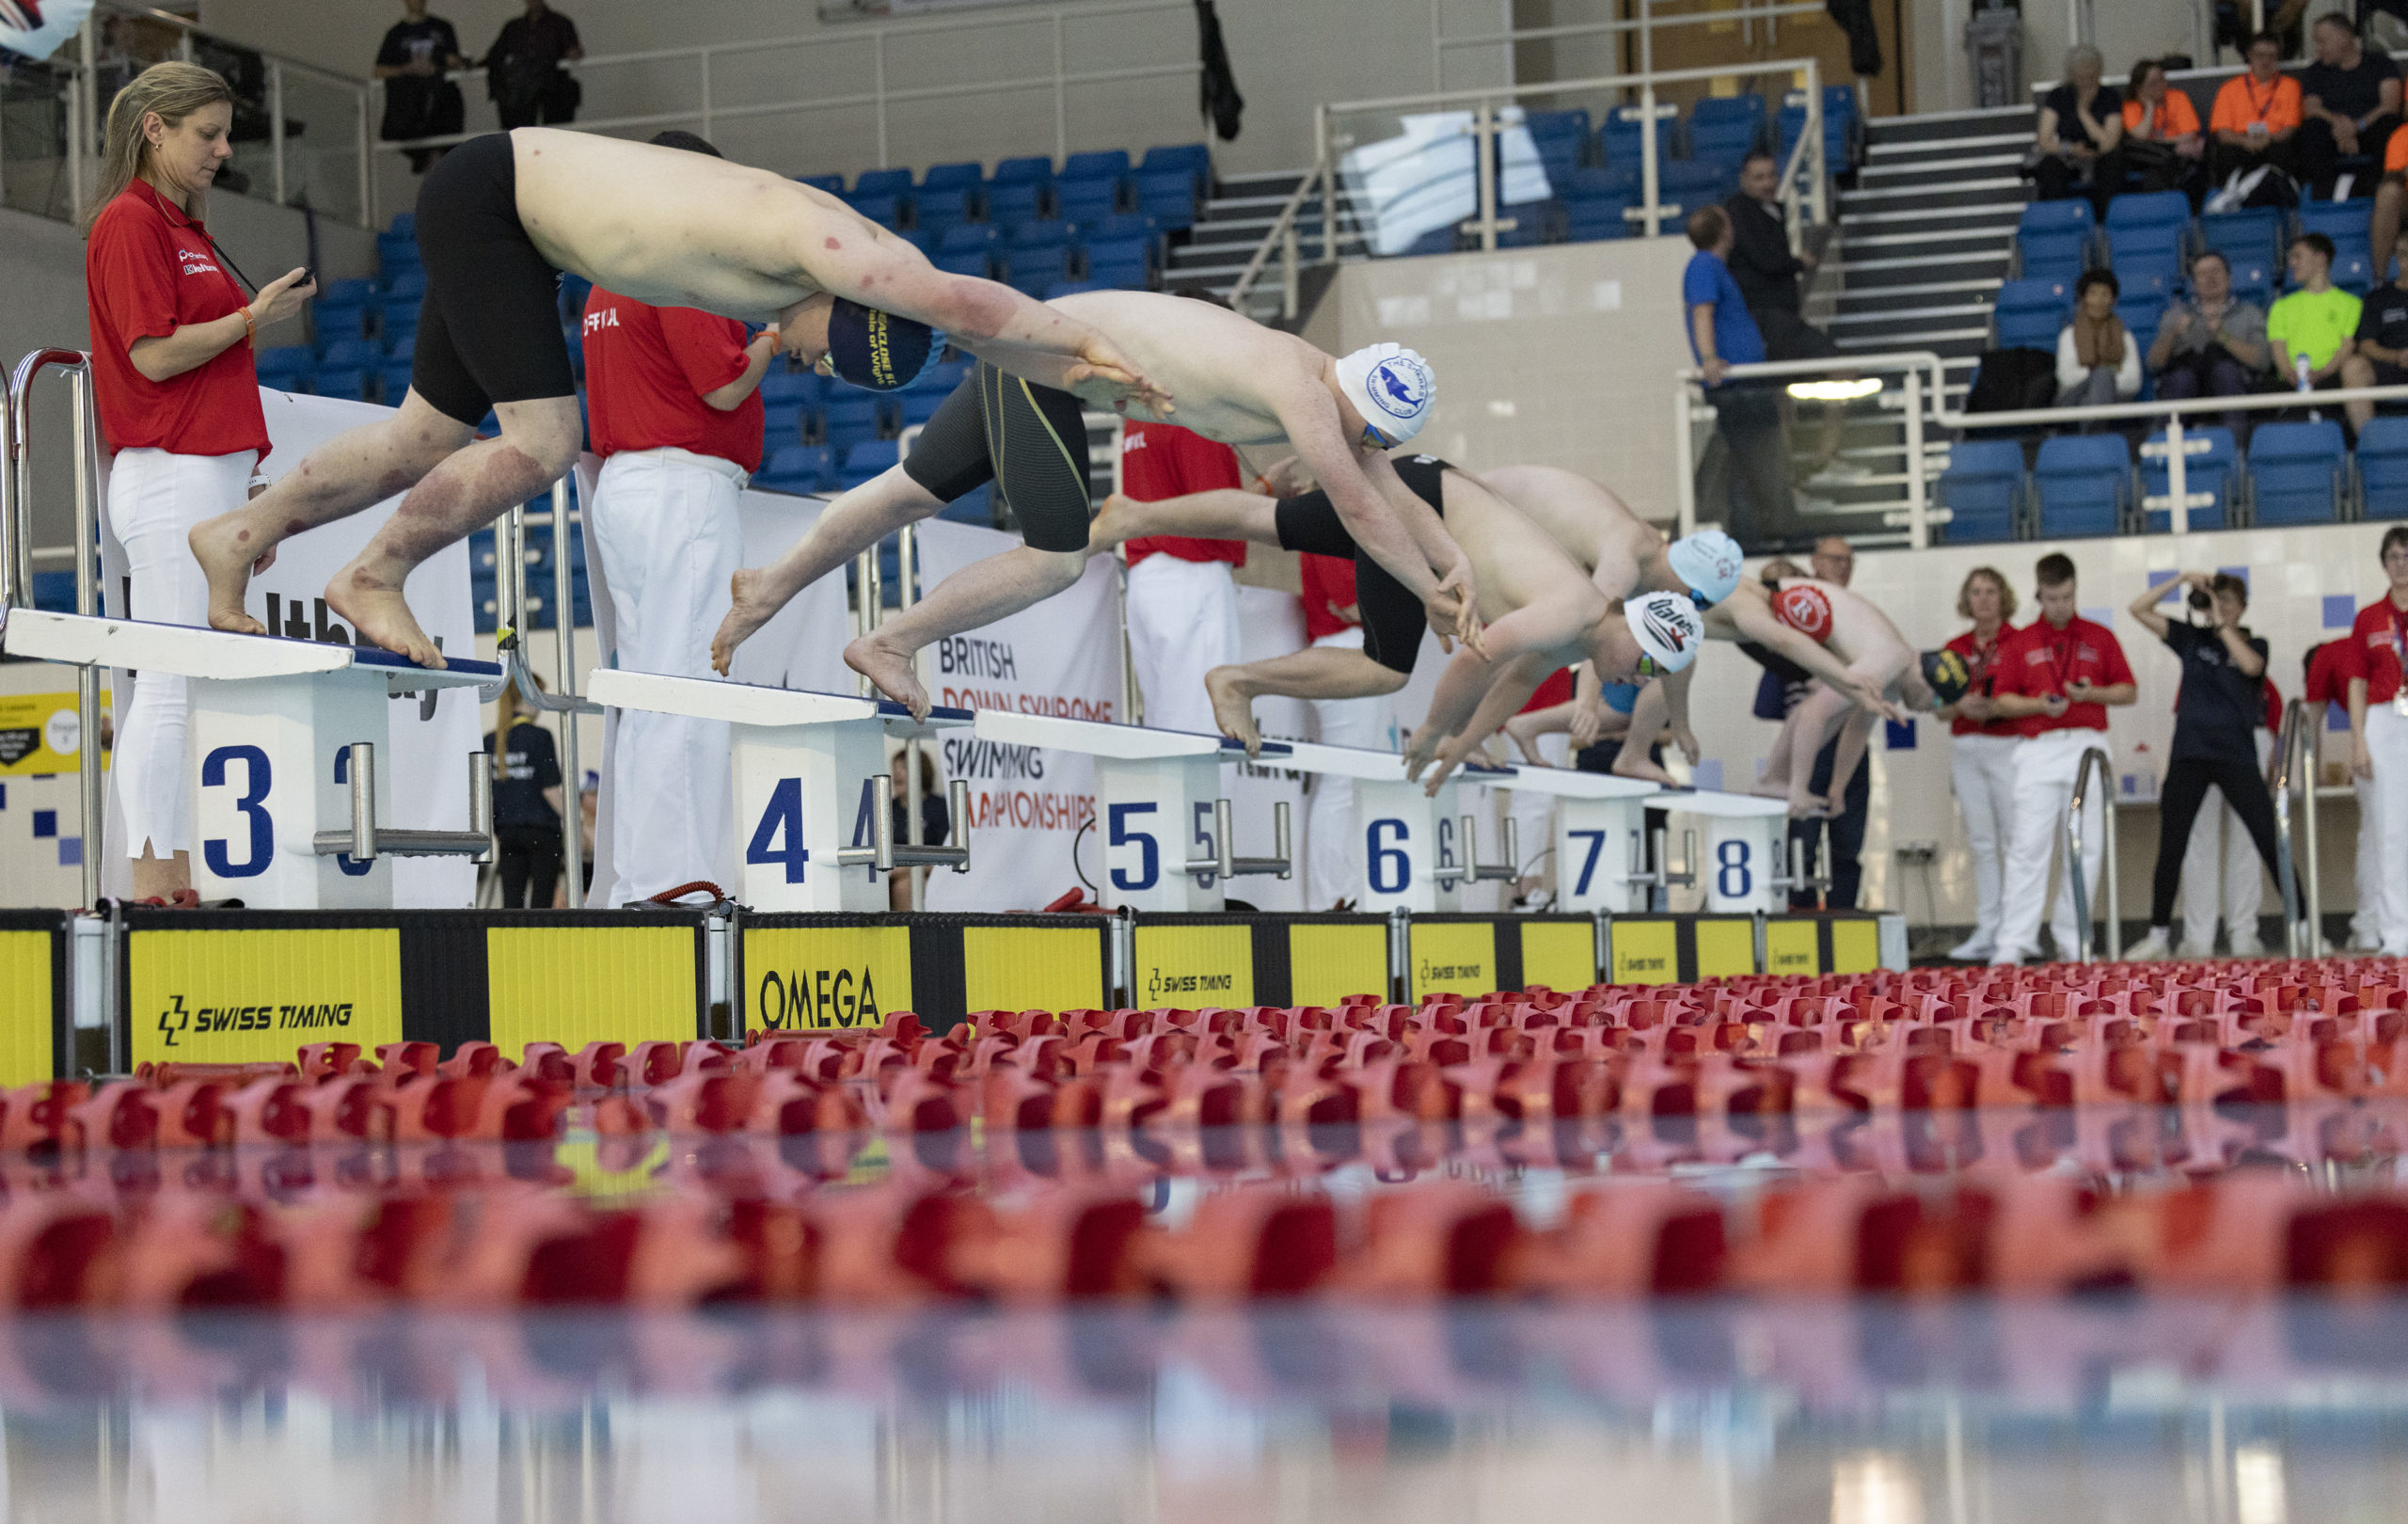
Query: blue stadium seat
x: 883, y: 182
x: 1139, y: 250
x: 781, y: 423
x: 1717, y: 110
x: 1009, y: 204
x: 850, y: 418
x: 395, y: 385
x: 331, y: 321
x: 1086, y: 200
x: 1725, y: 143
x: 1589, y: 218
x: 286, y: 364
x: 2141, y: 315
x: 349, y: 384
x: 2346, y: 224
x: 1622, y: 135
x: 969, y: 237
x: 2084, y: 484
x: 2052, y: 254
x: 2030, y: 312
x: 1127, y: 274
x: 1061, y: 287
x: 2204, y: 471
x: 865, y: 460
x: 1169, y: 198
x: 2255, y: 235
x: 2148, y: 209
x: 796, y: 468
x: 404, y: 286
x: 885, y: 209
x: 968, y: 175
x: 351, y: 355
x: 1983, y: 490
x: 347, y: 293
x: 400, y: 339
x: 1040, y: 232
x: 2353, y: 269
x: 946, y: 377
x: 781, y: 386
x: 979, y: 263
x: 1032, y: 270
x: 396, y: 249
x: 832, y: 185
x: 2155, y: 248
x: 1693, y: 183
x: 919, y: 407
x: 1098, y: 164
x: 404, y: 225
x: 942, y: 207
x: 2383, y: 466
x: 1197, y: 158
x: 976, y: 506
x: 2295, y: 473
x: 1032, y: 169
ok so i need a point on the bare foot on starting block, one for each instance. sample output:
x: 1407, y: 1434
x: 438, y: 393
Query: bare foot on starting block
x: 218, y: 545
x: 749, y: 608
x: 1635, y: 765
x: 1233, y: 708
x: 890, y: 668
x: 378, y: 615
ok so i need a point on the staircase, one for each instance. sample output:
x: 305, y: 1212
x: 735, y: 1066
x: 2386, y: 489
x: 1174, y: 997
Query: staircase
x: 1235, y: 221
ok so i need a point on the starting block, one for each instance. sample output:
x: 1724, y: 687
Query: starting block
x: 1748, y: 868
x: 284, y: 734
x: 1169, y: 835
x: 1410, y: 851
x: 1600, y: 838
x: 809, y: 774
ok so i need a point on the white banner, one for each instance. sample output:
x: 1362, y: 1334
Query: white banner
x: 1060, y: 657
x: 428, y: 756
x: 36, y: 30
x: 802, y: 647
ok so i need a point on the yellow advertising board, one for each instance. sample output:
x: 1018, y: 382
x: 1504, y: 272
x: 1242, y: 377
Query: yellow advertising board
x: 818, y: 978
x: 1194, y: 965
x: 252, y: 996
x: 43, y: 733
x: 1457, y: 956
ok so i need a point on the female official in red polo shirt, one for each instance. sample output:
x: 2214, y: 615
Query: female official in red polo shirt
x: 180, y: 407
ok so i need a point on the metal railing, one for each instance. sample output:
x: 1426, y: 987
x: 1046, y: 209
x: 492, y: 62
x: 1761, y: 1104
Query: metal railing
x: 511, y: 619
x: 1804, y: 176
x: 2303, y: 898
x: 16, y: 559
x: 2094, y: 760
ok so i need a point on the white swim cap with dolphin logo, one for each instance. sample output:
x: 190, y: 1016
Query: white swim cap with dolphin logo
x: 1668, y: 629
x: 1707, y: 564
x: 1391, y: 386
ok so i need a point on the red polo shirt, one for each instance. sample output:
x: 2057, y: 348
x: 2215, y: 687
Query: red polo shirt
x: 2328, y: 674
x: 1162, y: 460
x: 1980, y: 661
x: 148, y: 271
x: 646, y: 369
x: 2040, y: 659
x: 2375, y: 645
x: 1556, y: 690
x: 1329, y: 586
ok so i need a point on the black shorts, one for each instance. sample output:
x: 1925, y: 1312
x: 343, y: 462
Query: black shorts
x: 489, y: 327
x: 1030, y: 440
x: 2389, y: 374
x: 1393, y: 618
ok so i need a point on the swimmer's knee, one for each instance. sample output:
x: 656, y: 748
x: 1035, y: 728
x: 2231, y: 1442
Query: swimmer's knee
x: 1389, y: 680
x: 1061, y: 569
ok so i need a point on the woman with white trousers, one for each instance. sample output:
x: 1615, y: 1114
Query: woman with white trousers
x: 2379, y: 735
x: 174, y: 375
x: 1982, y: 753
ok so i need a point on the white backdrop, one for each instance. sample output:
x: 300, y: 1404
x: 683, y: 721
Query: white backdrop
x: 802, y: 647
x: 428, y: 757
x: 1060, y: 657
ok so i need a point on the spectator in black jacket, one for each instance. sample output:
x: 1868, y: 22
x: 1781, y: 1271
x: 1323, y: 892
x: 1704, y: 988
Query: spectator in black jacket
x: 418, y: 101
x: 523, y: 70
x: 1769, y: 274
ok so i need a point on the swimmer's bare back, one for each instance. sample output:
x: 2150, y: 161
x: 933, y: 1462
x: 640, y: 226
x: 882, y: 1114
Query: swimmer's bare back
x: 1227, y: 371
x: 1587, y: 518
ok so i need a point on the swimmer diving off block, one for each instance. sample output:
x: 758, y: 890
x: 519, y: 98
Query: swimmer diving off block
x: 496, y: 219
x: 1237, y: 382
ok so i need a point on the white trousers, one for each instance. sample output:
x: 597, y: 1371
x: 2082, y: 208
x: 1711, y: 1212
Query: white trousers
x: 2387, y: 741
x: 2220, y: 869
x: 1982, y: 770
x: 2364, y: 922
x: 155, y: 500
x: 665, y: 524
x: 2043, y: 790
x: 1183, y: 623
x: 1533, y: 814
x: 1329, y: 822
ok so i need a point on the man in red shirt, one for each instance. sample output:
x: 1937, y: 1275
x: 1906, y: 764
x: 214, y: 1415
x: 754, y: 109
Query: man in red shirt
x: 2327, y: 684
x: 2378, y: 735
x: 1183, y: 601
x: 2054, y: 678
x: 675, y: 413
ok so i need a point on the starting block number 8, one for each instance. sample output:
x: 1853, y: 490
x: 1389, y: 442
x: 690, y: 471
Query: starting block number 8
x: 251, y: 804
x: 1735, y: 874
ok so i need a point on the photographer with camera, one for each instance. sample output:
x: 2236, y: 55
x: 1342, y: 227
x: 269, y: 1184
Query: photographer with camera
x: 2223, y: 701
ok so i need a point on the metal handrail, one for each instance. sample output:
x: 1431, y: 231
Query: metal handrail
x: 2095, y: 757
x: 1647, y: 22
x: 18, y: 560
x: 2302, y: 900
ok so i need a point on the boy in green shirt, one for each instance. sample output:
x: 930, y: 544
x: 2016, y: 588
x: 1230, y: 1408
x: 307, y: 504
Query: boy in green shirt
x: 2312, y: 328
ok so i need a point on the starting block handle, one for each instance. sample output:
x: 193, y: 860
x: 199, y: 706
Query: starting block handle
x: 884, y: 856
x: 366, y: 841
x: 1281, y: 864
x: 1664, y: 878
x: 1797, y: 877
x: 514, y: 655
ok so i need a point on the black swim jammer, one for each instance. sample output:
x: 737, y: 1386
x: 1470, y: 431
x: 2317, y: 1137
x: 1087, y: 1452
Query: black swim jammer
x: 489, y: 327
x: 1030, y: 440
x: 1393, y: 618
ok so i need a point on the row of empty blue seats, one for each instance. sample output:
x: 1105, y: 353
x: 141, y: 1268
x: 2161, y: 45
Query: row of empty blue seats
x: 1719, y: 129
x: 2083, y: 484
x: 1169, y: 185
x: 2149, y: 238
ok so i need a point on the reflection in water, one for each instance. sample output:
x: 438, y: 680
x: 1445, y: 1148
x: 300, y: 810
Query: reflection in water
x: 1871, y: 1412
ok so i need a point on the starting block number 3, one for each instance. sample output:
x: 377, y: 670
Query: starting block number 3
x: 251, y: 804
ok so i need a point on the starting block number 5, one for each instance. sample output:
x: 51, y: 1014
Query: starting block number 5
x: 1126, y: 827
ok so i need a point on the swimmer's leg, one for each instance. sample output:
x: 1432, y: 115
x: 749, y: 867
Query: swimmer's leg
x: 1317, y: 671
x: 850, y: 525
x: 979, y: 593
x: 349, y: 472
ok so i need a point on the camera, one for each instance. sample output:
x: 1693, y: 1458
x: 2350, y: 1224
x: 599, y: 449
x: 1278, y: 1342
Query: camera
x: 2201, y: 600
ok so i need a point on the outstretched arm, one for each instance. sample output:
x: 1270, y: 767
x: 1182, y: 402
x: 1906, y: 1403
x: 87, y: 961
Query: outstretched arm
x: 1474, y: 700
x: 1014, y: 332
x: 1756, y: 622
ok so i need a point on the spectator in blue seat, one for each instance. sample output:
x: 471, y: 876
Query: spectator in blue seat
x: 2211, y: 345
x: 2379, y: 353
x: 2098, y: 362
x: 2080, y: 139
x: 2163, y: 143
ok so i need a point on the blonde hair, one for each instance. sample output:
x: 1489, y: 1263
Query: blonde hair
x: 173, y: 92
x: 2005, y: 593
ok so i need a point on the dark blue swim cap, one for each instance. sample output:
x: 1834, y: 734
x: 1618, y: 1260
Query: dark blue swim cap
x: 878, y: 350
